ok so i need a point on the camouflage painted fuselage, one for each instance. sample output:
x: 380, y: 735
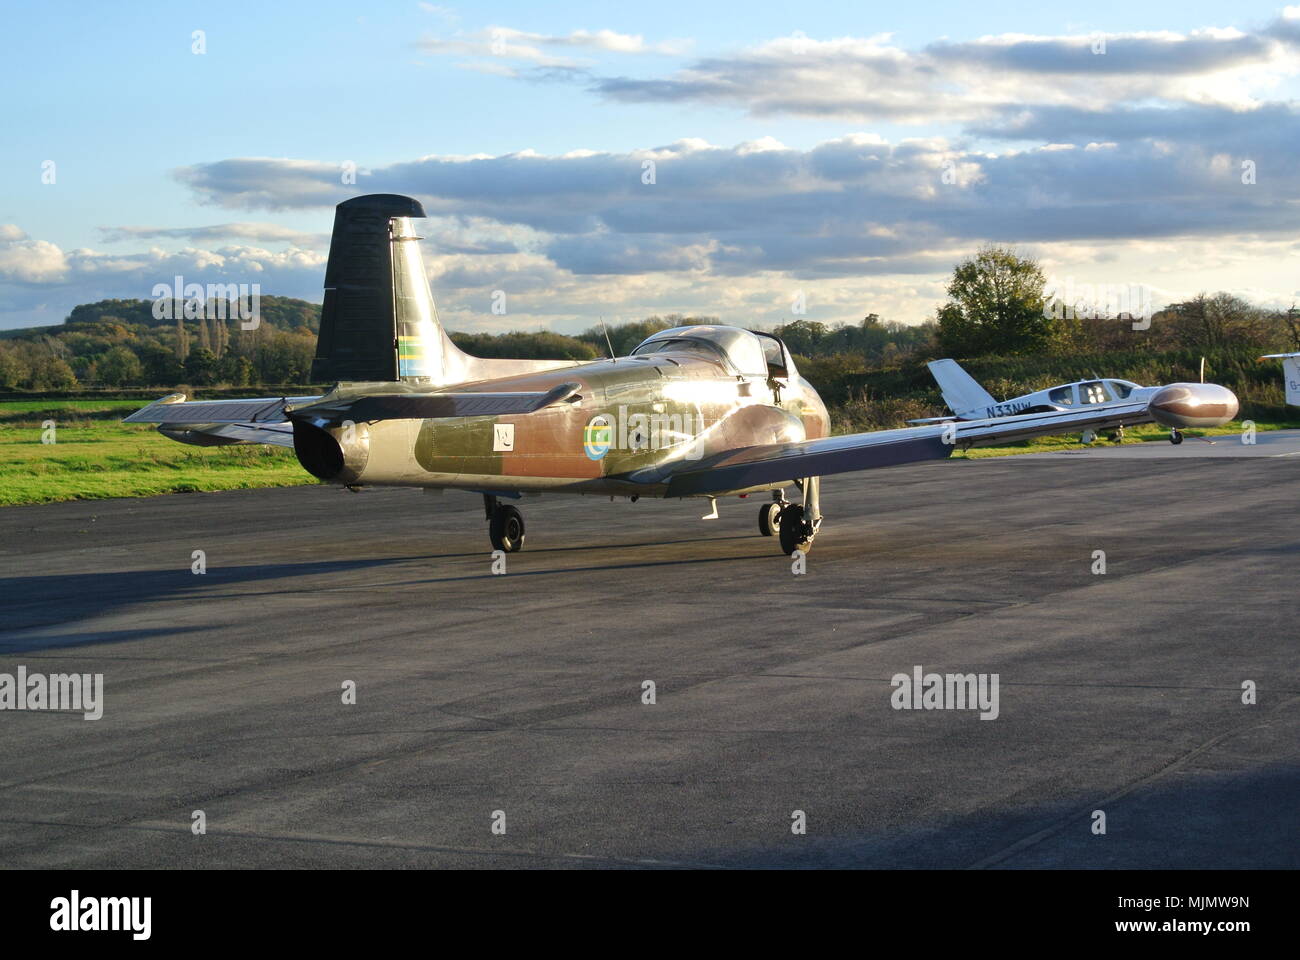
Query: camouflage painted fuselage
x: 634, y: 421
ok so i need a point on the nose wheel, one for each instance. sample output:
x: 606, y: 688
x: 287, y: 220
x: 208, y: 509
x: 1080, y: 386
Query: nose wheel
x: 505, y: 525
x: 1175, y: 436
x: 769, y: 518
x: 797, y: 524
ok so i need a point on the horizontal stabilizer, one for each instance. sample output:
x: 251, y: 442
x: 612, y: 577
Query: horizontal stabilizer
x: 420, y: 406
x: 174, y: 409
x: 228, y: 434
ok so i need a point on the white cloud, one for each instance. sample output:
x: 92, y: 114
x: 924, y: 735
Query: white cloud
x: 221, y: 231
x: 508, y: 44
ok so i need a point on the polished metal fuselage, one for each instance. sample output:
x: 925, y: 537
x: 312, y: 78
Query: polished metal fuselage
x: 634, y: 420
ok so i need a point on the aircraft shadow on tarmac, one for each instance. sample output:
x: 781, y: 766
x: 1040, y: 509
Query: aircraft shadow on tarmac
x: 1247, y: 821
x: 51, y: 601
x: 41, y: 602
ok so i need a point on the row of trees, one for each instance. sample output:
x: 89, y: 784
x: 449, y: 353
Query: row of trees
x: 1000, y: 304
x: 119, y: 343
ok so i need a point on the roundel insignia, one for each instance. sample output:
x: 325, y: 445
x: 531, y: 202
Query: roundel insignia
x: 597, y: 437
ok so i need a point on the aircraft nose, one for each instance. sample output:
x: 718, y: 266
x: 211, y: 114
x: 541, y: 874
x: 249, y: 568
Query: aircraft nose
x: 1193, y: 405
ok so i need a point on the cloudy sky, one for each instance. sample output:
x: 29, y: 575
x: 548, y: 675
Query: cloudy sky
x: 619, y: 160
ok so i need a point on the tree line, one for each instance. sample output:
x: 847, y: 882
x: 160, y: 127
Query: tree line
x: 999, y: 305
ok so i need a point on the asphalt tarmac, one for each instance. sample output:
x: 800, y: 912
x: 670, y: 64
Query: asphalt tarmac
x: 516, y: 700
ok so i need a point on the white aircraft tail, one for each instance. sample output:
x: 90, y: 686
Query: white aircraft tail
x: 960, y: 391
x: 1290, y: 375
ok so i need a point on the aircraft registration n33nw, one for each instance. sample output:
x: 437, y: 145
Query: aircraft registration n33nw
x: 699, y: 411
x: 1176, y: 405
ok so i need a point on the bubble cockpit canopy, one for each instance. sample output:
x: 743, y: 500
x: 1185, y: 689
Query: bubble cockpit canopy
x: 746, y: 353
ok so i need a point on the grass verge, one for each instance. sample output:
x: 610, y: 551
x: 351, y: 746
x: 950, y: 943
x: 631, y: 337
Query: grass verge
x: 95, y: 456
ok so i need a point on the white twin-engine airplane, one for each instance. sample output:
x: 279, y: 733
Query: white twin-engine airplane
x: 1177, y: 405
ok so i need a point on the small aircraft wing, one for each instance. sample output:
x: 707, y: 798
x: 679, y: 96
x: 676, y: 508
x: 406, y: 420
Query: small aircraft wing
x: 777, y: 462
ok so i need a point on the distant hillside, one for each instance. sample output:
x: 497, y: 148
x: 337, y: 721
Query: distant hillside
x: 283, y: 312
x: 117, y: 343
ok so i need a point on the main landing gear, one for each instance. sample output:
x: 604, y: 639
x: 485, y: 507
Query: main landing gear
x: 795, y: 524
x: 1175, y: 436
x: 505, y: 525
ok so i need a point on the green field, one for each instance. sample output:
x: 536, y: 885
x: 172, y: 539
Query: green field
x: 95, y: 456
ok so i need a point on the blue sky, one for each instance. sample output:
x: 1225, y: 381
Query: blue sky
x: 845, y: 153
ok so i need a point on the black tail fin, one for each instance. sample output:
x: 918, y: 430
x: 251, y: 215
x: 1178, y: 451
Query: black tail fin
x: 379, y: 321
x: 359, y: 325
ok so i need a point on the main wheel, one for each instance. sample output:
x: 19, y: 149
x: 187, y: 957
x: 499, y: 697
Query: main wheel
x: 794, y: 536
x: 1175, y: 437
x: 769, y: 518
x: 507, y: 529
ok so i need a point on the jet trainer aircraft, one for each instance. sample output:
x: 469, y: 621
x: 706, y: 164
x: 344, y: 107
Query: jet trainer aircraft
x: 698, y: 411
x: 969, y: 401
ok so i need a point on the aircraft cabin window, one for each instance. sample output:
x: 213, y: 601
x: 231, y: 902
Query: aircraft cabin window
x: 1120, y: 389
x: 739, y: 348
x: 694, y: 347
x: 1062, y: 396
x: 774, y: 356
x: 1092, y: 392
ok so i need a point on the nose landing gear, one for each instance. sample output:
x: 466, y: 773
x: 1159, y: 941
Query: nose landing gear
x: 795, y: 524
x: 769, y: 515
x: 1175, y: 436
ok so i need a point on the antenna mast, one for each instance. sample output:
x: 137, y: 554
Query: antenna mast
x: 608, y: 343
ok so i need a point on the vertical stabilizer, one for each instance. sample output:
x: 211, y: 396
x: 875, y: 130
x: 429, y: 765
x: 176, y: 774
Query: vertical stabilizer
x: 960, y: 391
x: 1290, y: 375
x: 378, y: 322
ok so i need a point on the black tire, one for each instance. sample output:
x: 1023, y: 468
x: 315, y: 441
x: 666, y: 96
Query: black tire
x: 769, y: 519
x: 792, y: 531
x: 507, y: 529
x: 1176, y: 437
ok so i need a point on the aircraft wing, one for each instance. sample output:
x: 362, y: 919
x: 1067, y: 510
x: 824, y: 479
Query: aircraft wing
x: 778, y: 462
